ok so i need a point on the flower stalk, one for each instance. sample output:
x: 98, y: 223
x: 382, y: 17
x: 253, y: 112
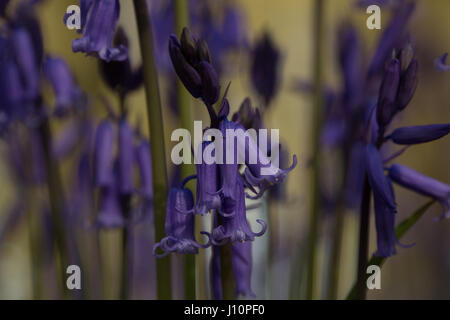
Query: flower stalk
x: 154, y: 114
x: 185, y: 112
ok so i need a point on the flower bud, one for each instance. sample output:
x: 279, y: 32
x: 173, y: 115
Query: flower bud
x: 388, y: 93
x: 211, y: 88
x: 188, y: 46
x: 187, y: 74
x: 407, y: 87
x: 203, y: 53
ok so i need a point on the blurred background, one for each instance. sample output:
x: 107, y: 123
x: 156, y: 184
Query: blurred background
x: 419, y: 272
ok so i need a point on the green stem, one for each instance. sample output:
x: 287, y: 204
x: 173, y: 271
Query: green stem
x: 125, y: 267
x: 334, y: 267
x: 363, y: 250
x: 317, y: 124
x: 55, y: 193
x: 35, y: 248
x: 155, y: 121
x: 184, y: 109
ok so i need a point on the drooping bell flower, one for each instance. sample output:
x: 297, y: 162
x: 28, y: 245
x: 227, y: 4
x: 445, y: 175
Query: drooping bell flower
x: 25, y: 57
x: 419, y: 134
x: 119, y: 75
x: 236, y: 228
x: 110, y: 214
x: 262, y: 173
x: 422, y: 184
x: 207, y: 185
x: 355, y: 176
x: 229, y: 170
x: 384, y: 202
x: 67, y: 93
x: 179, y: 226
x: 388, y: 93
x: 103, y: 157
x: 350, y: 60
x: 144, y: 159
x: 99, y: 30
x: 248, y: 116
x: 441, y: 63
x: 126, y: 157
x: 265, y: 68
x: 241, y: 263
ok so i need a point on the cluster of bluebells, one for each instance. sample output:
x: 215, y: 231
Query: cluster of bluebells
x: 358, y: 118
x: 221, y: 188
x: 396, y: 91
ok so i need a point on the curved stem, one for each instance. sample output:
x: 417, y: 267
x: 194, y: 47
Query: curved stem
x: 155, y: 122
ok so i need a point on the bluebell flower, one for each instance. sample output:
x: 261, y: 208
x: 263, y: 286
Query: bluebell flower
x: 126, y: 157
x: 422, y: 184
x: 441, y: 63
x: 99, y: 30
x: 119, y: 75
x: 236, y: 228
x: 241, y: 263
x: 265, y: 68
x: 419, y: 134
x: 179, y: 227
x: 384, y: 202
x: 25, y: 57
x: 110, y: 214
x: 144, y: 160
x: 273, y: 175
x: 350, y: 60
x: 67, y: 93
x: 103, y: 157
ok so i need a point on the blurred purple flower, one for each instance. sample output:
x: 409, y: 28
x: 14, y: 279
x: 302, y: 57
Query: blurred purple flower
x: 419, y: 134
x: 422, y: 184
x: 98, y: 32
x: 144, y: 160
x: 441, y: 63
x: 384, y: 202
x: 67, y: 93
x: 126, y: 157
x: 110, y: 214
x: 103, y: 157
x: 119, y: 75
x: 265, y: 67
